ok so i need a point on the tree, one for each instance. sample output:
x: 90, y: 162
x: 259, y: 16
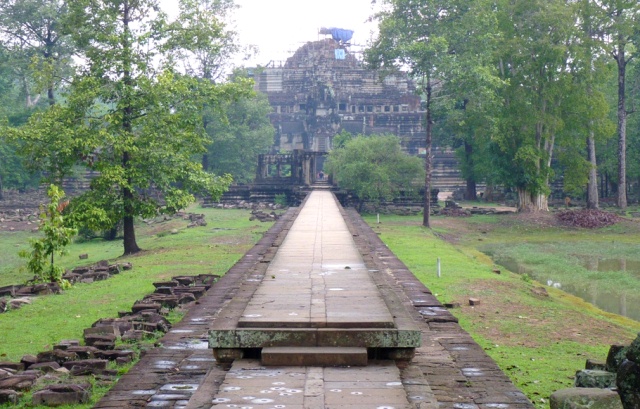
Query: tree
x: 374, y: 167
x: 412, y: 34
x: 57, y: 236
x: 205, y: 44
x: 534, y: 60
x: 39, y: 49
x: 620, y: 22
x: 239, y: 133
x: 130, y: 116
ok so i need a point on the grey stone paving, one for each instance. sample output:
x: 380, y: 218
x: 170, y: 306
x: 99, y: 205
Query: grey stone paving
x: 449, y: 371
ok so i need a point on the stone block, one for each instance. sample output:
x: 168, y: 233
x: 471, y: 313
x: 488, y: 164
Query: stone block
x: 628, y: 383
x: 83, y: 352
x: 28, y: 360
x: 227, y: 355
x: 57, y: 395
x: 593, y: 378
x: 113, y: 355
x: 56, y: 355
x: 595, y: 364
x: 93, y: 339
x: 616, y: 355
x: 137, y: 335
x: 16, y: 366
x: 314, y: 356
x: 45, y: 366
x: 137, y: 307
x: 92, y: 363
x: 18, y: 382
x: 585, y: 398
x: 9, y: 396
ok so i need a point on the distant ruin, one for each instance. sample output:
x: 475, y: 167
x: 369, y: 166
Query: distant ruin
x: 323, y: 89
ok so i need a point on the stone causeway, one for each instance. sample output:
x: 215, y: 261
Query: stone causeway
x: 318, y: 314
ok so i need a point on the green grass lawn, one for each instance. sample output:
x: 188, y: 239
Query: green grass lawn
x: 538, y: 341
x: 212, y: 249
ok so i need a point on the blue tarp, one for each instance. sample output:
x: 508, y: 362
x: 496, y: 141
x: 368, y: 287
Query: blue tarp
x: 341, y: 35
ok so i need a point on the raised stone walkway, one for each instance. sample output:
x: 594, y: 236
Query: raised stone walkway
x: 318, y: 285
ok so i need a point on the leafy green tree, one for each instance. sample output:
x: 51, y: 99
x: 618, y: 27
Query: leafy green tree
x: 374, y: 167
x: 130, y: 116
x: 535, y: 62
x: 57, y: 236
x: 413, y: 34
x: 39, y: 50
x: 239, y: 132
x: 620, y: 22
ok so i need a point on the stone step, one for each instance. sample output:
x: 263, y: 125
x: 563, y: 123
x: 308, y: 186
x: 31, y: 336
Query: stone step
x: 314, y: 356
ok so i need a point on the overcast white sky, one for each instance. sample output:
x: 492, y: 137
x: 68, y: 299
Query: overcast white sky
x: 279, y: 27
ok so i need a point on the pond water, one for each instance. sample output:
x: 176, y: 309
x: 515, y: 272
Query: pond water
x: 620, y: 302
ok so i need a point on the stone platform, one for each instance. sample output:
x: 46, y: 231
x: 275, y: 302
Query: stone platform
x: 316, y: 292
x: 449, y: 370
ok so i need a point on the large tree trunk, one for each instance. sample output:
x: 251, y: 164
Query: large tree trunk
x: 532, y: 202
x: 129, y: 232
x: 427, y: 161
x: 592, y: 186
x: 130, y: 245
x: 470, y: 193
x: 622, y: 128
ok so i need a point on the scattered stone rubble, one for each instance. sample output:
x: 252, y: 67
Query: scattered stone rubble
x: 245, y: 204
x: 263, y: 216
x: 15, y: 296
x: 61, y: 375
x: 613, y: 384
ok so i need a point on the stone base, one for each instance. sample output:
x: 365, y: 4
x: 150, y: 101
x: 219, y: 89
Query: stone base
x: 314, y: 356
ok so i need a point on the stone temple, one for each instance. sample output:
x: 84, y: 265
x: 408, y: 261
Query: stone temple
x: 324, y: 89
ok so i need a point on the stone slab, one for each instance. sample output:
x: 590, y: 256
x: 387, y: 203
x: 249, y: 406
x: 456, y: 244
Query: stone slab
x: 314, y: 356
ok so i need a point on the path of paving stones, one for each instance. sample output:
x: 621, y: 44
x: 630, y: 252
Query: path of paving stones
x: 449, y: 370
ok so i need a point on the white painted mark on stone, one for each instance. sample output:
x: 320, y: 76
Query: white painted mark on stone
x: 232, y: 388
x: 262, y: 401
x: 335, y: 390
x: 220, y: 400
x: 394, y: 383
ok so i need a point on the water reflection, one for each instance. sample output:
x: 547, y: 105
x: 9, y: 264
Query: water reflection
x: 612, y: 264
x: 622, y: 303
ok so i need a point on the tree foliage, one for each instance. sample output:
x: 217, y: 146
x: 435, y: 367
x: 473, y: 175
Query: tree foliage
x: 130, y: 116
x: 56, y: 237
x: 238, y: 133
x: 374, y: 167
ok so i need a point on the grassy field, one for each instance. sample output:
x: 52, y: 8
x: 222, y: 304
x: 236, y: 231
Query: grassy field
x: 524, y: 332
x: 212, y: 249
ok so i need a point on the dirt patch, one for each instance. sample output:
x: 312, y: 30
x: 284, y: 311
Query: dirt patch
x: 503, y: 309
